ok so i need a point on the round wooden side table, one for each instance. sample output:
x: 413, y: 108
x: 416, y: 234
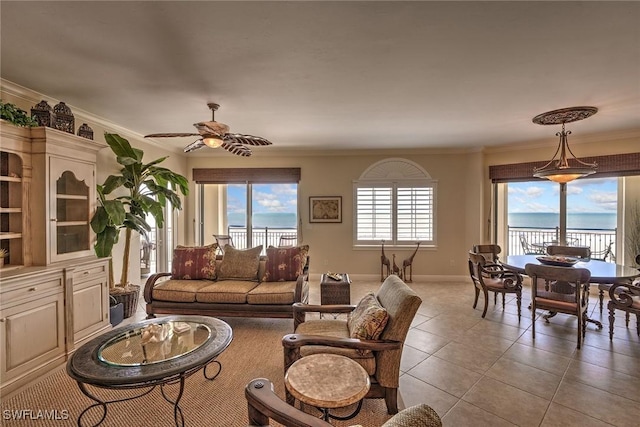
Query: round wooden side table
x: 328, y: 381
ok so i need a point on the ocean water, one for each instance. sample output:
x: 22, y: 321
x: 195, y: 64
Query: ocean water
x: 262, y: 220
x: 582, y: 221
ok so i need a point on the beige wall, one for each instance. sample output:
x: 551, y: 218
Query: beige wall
x: 463, y: 194
x: 457, y: 173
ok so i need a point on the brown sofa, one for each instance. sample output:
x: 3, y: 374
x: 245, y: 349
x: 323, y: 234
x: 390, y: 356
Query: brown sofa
x: 233, y: 298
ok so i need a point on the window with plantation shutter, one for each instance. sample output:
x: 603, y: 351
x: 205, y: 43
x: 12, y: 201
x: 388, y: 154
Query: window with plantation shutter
x: 374, y: 213
x: 394, y: 201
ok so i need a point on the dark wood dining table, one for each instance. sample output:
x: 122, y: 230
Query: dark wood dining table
x: 601, y: 271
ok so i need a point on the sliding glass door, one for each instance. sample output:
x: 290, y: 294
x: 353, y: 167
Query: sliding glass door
x: 582, y: 213
x: 252, y: 213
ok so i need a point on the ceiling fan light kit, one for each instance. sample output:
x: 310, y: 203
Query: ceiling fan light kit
x: 215, y: 134
x: 560, y: 170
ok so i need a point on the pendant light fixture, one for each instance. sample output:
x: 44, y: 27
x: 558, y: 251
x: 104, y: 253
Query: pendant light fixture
x: 561, y: 170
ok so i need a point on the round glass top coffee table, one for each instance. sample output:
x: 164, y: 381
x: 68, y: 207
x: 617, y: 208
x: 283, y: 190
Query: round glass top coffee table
x: 328, y: 381
x: 147, y: 354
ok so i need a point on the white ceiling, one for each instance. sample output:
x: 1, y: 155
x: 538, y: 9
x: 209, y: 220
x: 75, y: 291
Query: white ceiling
x: 332, y: 75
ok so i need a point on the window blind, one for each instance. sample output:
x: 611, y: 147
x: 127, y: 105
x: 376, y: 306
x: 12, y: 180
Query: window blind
x: 374, y: 213
x: 608, y: 166
x: 246, y: 175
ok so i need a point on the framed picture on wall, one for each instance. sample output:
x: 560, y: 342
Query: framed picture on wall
x: 325, y: 209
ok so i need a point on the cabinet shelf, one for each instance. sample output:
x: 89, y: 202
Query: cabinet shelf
x: 70, y: 223
x: 10, y: 235
x: 71, y: 197
x: 10, y: 210
x: 10, y: 178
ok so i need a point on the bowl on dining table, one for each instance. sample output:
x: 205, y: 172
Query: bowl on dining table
x: 558, y: 261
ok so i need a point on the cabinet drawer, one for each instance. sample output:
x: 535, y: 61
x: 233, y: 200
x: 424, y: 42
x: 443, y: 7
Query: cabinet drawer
x: 34, y: 290
x: 89, y: 272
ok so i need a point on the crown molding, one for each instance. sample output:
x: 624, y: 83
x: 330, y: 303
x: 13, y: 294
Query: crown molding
x: 82, y: 116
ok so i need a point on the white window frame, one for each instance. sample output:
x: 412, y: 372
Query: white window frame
x: 394, y: 174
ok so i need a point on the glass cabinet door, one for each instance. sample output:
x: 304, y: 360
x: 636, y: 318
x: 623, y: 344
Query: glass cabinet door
x: 70, y: 229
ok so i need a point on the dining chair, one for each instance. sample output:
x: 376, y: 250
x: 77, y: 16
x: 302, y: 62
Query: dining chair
x: 487, y: 276
x: 581, y: 252
x: 528, y: 248
x: 287, y: 241
x: 223, y: 240
x: 559, y: 290
x: 625, y: 297
x: 489, y: 252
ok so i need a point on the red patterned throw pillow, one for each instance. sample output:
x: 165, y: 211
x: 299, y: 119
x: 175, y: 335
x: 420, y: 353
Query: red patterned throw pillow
x: 285, y: 264
x: 194, y: 262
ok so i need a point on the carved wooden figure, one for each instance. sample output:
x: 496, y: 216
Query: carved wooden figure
x: 408, y: 263
x: 396, y: 270
x: 384, y: 261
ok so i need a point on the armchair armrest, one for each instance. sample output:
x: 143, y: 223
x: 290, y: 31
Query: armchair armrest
x: 623, y: 294
x: 331, y: 308
x: 264, y: 404
x: 150, y: 284
x: 292, y: 341
x: 512, y: 280
x: 300, y: 310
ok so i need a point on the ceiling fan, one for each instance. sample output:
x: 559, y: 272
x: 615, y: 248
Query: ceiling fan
x: 215, y: 134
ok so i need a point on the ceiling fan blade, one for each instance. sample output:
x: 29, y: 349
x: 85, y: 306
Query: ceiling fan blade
x: 238, y: 138
x: 237, y: 149
x: 194, y: 146
x: 170, y: 135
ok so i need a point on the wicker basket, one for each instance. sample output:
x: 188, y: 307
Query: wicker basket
x: 128, y: 299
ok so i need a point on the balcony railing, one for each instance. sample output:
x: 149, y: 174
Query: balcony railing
x: 596, y: 239
x: 259, y: 236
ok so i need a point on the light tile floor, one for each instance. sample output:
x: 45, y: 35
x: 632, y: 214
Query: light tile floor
x: 491, y: 372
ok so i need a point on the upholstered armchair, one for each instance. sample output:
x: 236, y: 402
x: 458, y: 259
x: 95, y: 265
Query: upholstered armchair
x: 624, y: 297
x: 489, y: 277
x: 263, y: 404
x: 379, y: 357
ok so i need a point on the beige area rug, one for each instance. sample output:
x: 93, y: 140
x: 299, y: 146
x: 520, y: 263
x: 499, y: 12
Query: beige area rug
x: 256, y: 351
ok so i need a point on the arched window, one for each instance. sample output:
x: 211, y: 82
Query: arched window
x: 395, y: 201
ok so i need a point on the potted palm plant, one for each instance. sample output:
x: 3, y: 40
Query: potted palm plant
x: 125, y: 200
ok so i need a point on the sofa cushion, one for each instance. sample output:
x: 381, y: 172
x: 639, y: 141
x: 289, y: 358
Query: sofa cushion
x: 368, y: 319
x: 338, y: 329
x: 194, y: 262
x: 273, y: 293
x: 284, y: 264
x: 240, y: 264
x: 178, y: 290
x: 226, y: 291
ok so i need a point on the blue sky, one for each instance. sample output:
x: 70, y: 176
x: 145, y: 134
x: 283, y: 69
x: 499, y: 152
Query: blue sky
x: 267, y: 198
x: 583, y: 195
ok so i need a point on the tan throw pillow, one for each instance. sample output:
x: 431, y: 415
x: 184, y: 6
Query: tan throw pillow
x: 368, y: 320
x: 285, y: 264
x: 194, y: 262
x: 240, y: 264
